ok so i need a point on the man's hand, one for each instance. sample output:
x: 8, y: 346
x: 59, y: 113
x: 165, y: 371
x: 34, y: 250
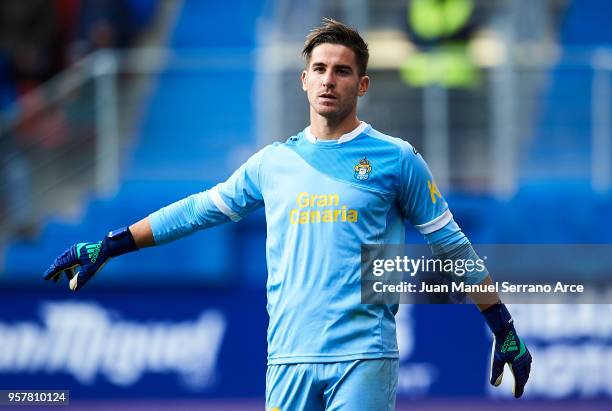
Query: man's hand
x: 508, y: 348
x: 80, y: 262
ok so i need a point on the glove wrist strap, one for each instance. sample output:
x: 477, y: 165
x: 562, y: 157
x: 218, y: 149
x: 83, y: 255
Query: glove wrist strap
x: 119, y: 242
x: 499, y: 319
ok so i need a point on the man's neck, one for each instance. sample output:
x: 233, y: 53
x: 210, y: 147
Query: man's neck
x: 327, y: 129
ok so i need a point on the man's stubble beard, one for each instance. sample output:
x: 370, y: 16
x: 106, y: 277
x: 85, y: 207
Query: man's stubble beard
x: 337, y: 115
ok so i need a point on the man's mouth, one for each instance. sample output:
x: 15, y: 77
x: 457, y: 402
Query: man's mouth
x: 328, y: 96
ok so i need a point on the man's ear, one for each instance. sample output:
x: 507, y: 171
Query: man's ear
x: 364, y: 84
x: 304, y: 75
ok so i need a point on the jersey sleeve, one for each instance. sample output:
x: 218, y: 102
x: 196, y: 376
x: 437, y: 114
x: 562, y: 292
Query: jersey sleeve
x: 449, y: 242
x: 420, y: 201
x: 227, y: 201
x: 241, y: 193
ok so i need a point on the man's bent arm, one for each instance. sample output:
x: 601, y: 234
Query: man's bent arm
x: 508, y: 347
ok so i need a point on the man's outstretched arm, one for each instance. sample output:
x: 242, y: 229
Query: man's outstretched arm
x: 228, y: 201
x: 80, y: 262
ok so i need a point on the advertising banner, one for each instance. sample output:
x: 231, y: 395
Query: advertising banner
x: 211, y: 343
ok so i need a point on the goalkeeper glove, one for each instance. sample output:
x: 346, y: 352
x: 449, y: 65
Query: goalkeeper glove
x: 89, y: 258
x: 507, y: 348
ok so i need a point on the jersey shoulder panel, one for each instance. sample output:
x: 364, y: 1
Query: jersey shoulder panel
x: 410, y: 160
x: 268, y: 151
x: 405, y: 149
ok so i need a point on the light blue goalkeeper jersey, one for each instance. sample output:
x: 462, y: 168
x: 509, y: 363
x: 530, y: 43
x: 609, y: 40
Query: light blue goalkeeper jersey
x: 323, y: 200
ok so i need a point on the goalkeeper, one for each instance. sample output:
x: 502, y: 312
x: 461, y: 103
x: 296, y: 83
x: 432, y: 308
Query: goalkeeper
x: 335, y: 185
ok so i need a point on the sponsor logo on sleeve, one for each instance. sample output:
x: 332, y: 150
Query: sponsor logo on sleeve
x: 434, y: 193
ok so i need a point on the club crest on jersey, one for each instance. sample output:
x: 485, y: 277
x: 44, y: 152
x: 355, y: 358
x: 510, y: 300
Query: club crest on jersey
x: 363, y: 169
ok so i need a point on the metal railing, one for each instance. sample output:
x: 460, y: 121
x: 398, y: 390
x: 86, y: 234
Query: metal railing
x: 66, y: 140
x: 64, y: 135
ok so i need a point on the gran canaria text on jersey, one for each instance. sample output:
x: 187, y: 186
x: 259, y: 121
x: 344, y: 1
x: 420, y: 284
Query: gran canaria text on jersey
x: 305, y: 214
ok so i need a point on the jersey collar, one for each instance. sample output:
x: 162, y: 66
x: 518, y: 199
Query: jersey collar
x: 343, y: 138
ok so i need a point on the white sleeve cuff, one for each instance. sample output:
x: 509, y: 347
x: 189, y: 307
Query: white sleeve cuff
x: 435, y: 224
x: 217, y: 200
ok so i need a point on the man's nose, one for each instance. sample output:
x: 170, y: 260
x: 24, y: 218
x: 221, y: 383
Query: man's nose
x: 329, y: 81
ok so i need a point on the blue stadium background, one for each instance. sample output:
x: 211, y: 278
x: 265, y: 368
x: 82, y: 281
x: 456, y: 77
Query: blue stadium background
x: 184, y: 325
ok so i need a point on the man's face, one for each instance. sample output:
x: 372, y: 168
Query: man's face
x: 332, y: 81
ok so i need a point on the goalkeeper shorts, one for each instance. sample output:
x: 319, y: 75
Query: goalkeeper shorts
x: 352, y: 385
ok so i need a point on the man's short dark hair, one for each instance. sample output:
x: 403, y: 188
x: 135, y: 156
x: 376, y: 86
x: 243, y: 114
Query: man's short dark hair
x: 334, y: 32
